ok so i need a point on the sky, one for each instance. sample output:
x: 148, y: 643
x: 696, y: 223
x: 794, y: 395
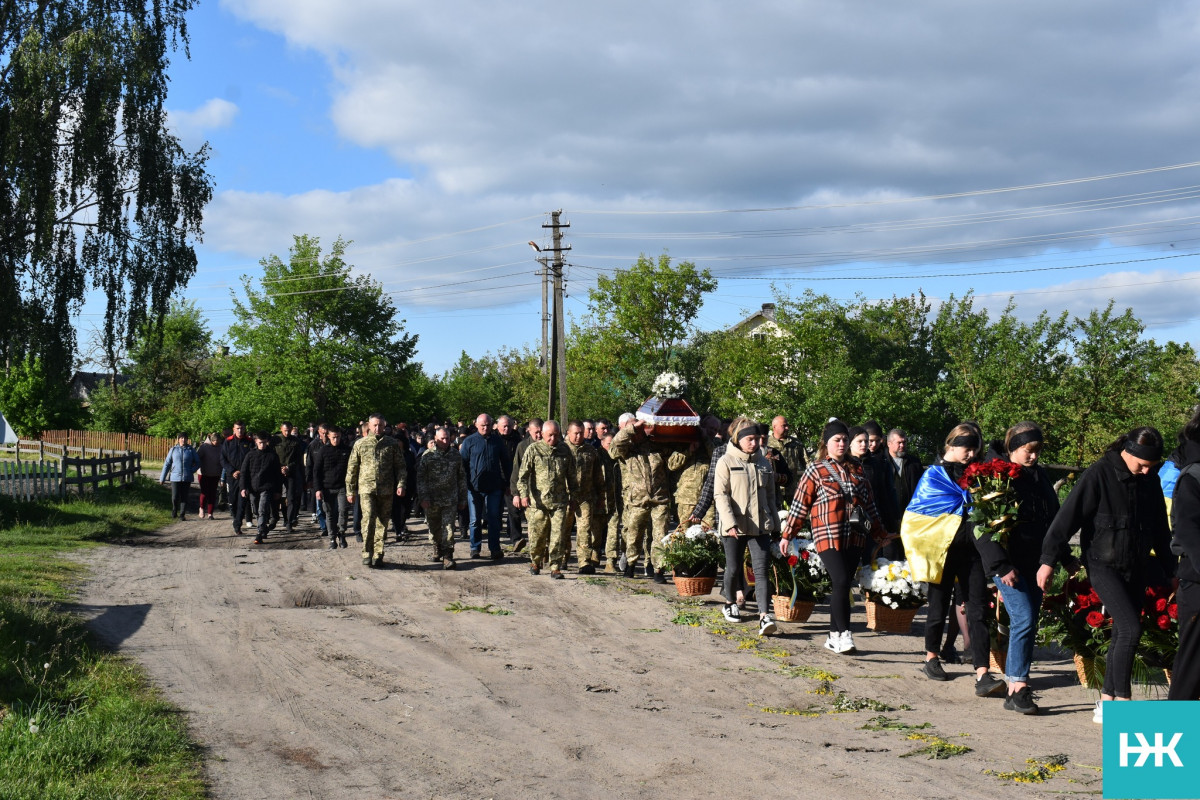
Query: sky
x: 1045, y: 152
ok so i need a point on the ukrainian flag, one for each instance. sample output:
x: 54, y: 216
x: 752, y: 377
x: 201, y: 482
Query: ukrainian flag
x: 930, y: 523
x: 1168, y: 474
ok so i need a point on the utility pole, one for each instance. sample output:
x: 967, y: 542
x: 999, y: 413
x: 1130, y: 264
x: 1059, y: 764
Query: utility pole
x: 557, y: 373
x: 544, y: 362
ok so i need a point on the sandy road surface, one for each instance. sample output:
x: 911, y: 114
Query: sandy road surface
x: 304, y: 674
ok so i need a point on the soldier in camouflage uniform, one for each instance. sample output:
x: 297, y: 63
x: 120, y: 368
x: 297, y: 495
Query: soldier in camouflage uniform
x: 612, y: 504
x: 547, y: 485
x: 646, y: 481
x: 589, y: 500
x: 793, y: 455
x: 375, y: 473
x: 695, y: 471
x: 442, y: 486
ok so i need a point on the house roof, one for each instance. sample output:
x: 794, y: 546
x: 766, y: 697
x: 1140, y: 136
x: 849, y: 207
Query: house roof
x: 756, y: 320
x: 84, y: 383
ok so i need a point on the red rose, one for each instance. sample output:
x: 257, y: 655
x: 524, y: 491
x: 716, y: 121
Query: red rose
x: 1160, y: 605
x: 804, y: 554
x: 1150, y: 591
x: 1164, y: 622
x: 1014, y: 471
x: 793, y: 560
x: 1083, y: 601
x: 1093, y: 597
x: 1173, y: 611
x: 1095, y: 619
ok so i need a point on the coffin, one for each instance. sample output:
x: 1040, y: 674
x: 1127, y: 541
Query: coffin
x: 673, y: 419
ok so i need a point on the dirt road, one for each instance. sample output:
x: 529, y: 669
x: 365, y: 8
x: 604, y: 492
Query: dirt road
x: 304, y: 674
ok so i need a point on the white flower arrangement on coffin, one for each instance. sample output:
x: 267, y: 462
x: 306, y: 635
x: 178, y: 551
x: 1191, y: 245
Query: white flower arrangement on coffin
x: 891, y: 583
x: 668, y: 385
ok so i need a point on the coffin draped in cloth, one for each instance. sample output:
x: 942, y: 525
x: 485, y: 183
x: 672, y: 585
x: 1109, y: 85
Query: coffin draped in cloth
x: 930, y: 523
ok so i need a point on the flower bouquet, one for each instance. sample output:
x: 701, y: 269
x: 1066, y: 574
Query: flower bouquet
x: 1075, y: 619
x: 800, y: 581
x: 1160, y: 629
x: 892, y: 596
x: 693, y: 554
x: 993, y: 499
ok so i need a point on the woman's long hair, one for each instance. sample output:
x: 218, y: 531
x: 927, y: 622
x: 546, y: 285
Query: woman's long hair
x: 1146, y: 435
x: 1021, y: 427
x: 962, y: 429
x: 1191, y: 430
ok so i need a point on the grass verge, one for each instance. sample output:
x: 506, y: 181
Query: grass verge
x: 75, y: 721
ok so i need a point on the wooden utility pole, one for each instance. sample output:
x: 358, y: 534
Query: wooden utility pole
x: 557, y: 373
x: 544, y: 362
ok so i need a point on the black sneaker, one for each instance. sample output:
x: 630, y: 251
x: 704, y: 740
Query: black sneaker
x: 988, y: 685
x: 497, y: 555
x: 659, y: 577
x: 933, y: 670
x: 1021, y: 701
x: 950, y: 656
x: 333, y: 544
x: 342, y: 541
x: 630, y: 570
x: 587, y: 569
x: 476, y: 554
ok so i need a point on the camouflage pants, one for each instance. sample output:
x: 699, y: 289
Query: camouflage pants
x: 376, y: 511
x: 549, y: 531
x: 612, y: 547
x: 587, y: 525
x: 642, y: 522
x: 441, y: 528
x: 684, y: 506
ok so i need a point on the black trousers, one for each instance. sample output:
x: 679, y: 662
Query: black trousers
x: 964, y: 565
x: 1185, y: 675
x: 841, y: 566
x: 179, y: 497
x: 1122, y: 597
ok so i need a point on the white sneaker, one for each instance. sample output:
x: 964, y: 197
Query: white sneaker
x: 834, y: 642
x: 1098, y: 714
x: 767, y: 626
x: 847, y: 642
x: 731, y: 612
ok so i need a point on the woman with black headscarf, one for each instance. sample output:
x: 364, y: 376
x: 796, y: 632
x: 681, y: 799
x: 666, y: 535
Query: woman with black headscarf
x: 1118, y: 507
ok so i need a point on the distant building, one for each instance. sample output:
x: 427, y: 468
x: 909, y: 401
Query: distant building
x: 760, y: 324
x: 84, y: 383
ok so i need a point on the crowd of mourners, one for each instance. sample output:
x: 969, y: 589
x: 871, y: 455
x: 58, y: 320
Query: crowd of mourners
x: 618, y: 491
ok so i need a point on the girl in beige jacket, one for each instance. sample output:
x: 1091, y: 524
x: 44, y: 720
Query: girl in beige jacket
x: 744, y: 493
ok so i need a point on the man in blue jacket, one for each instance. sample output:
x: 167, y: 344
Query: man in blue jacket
x: 488, y: 465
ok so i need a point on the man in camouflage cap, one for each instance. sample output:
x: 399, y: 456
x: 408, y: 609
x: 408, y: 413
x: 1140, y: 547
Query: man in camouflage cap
x: 442, y: 486
x: 375, y: 473
x: 589, y: 501
x: 546, y: 487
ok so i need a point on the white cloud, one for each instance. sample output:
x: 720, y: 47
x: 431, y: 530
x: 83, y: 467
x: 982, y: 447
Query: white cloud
x: 193, y: 126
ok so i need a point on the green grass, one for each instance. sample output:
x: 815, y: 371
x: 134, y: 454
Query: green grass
x: 75, y: 721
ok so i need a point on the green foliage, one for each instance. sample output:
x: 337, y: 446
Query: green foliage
x: 316, y: 343
x: 95, y: 193
x: 33, y: 401
x: 474, y: 387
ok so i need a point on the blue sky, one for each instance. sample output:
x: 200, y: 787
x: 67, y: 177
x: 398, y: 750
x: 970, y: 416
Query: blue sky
x: 437, y: 137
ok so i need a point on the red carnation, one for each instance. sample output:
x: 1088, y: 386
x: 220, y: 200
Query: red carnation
x: 1173, y: 611
x: 1160, y: 605
x: 1095, y: 619
x: 793, y: 560
x: 1164, y: 622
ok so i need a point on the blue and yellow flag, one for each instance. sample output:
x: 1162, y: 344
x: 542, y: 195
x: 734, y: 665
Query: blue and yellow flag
x: 930, y: 523
x: 1168, y: 475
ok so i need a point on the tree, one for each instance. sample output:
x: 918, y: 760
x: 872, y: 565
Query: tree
x: 315, y: 343
x: 652, y: 305
x: 474, y: 387
x: 33, y: 402
x: 94, y: 191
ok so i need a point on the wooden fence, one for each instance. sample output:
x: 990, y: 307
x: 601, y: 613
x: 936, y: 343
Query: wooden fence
x: 33, y: 470
x: 152, y: 448
x: 31, y: 480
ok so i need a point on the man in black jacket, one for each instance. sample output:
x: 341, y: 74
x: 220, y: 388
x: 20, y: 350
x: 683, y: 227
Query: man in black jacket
x: 260, y: 481
x: 233, y: 453
x: 329, y: 484
x: 290, y: 450
x: 904, y: 472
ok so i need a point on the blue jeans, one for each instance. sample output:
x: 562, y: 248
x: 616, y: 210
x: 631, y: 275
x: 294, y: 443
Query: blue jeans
x: 1023, y: 602
x: 486, y: 503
